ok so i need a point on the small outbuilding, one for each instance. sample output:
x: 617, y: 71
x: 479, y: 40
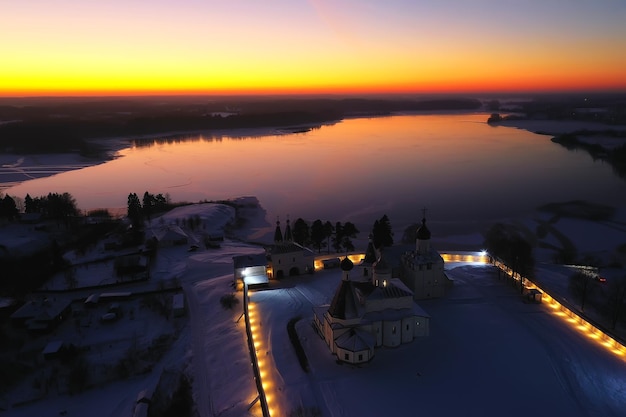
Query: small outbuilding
x: 533, y: 295
x: 251, y: 269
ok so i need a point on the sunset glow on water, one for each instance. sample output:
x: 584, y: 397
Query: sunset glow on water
x: 463, y: 170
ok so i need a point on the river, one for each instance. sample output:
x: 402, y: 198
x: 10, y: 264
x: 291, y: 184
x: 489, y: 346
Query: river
x: 466, y: 173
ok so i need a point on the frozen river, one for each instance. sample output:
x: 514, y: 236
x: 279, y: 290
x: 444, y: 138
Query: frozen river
x: 467, y: 173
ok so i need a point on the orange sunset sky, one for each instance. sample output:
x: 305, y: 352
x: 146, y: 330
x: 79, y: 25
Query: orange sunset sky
x: 82, y: 47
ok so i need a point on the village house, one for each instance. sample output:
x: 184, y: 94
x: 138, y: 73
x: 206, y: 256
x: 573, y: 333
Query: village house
x: 42, y: 314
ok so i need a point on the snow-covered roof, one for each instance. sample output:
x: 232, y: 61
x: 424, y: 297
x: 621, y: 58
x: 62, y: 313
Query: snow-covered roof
x: 356, y: 340
x: 245, y: 261
x: 290, y: 247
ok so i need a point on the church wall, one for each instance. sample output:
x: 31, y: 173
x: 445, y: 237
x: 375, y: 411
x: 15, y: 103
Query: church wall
x: 328, y: 335
x: 285, y: 262
x: 354, y: 357
x: 421, y: 328
x: 427, y: 283
x: 320, y: 323
x: 381, y: 277
x: 408, y: 331
x: 335, y: 334
x: 377, y: 331
x: 392, y: 333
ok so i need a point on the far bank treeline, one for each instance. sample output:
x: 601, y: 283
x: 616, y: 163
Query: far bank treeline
x: 48, y: 125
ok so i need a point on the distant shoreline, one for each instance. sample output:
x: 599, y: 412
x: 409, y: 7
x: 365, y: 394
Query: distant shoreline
x: 16, y: 168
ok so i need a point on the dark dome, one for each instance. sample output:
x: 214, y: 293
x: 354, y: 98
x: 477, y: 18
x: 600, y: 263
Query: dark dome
x: 422, y: 232
x: 346, y: 264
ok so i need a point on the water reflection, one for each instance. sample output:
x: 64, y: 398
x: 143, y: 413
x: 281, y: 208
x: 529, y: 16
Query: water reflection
x: 463, y: 170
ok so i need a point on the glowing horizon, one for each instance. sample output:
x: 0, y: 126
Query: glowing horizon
x: 77, y: 48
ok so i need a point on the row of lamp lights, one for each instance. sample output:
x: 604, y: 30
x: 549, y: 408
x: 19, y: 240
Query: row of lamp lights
x: 574, y: 320
x: 262, y: 362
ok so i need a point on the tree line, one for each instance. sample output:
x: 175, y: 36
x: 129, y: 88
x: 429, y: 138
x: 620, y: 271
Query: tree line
x: 140, y: 210
x: 338, y: 236
x: 52, y: 206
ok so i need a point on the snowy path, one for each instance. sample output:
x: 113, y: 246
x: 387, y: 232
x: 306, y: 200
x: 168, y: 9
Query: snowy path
x: 201, y: 385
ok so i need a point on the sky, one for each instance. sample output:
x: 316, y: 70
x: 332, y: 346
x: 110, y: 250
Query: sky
x: 82, y: 47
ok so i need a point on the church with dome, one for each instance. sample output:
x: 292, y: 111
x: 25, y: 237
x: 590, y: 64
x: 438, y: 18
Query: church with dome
x: 422, y: 268
x: 369, y: 311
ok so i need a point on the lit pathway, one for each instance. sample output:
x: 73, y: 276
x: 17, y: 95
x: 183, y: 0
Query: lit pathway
x: 260, y: 366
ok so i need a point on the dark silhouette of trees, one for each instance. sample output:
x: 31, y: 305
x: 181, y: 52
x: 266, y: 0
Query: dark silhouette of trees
x: 148, y: 205
x: 349, y: 231
x: 53, y: 206
x: 342, y: 239
x: 580, y: 286
x: 616, y: 300
x: 60, y: 206
x: 161, y: 202
x: 337, y: 237
x: 321, y: 234
x: 135, y: 211
x: 318, y: 235
x: 301, y: 234
x: 509, y: 245
x: 29, y: 205
x: 382, y: 235
x: 153, y: 204
x: 8, y: 208
x: 328, y: 232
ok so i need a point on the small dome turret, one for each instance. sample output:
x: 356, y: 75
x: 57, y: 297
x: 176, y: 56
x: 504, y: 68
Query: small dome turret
x: 346, y: 264
x: 278, y: 234
x: 422, y: 232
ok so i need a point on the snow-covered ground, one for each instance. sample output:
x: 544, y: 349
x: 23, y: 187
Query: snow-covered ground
x: 488, y: 352
x: 558, y: 127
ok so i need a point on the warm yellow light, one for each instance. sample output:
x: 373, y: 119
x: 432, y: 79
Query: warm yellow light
x: 580, y: 324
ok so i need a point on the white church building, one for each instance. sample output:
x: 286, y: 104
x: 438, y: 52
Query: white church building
x: 286, y: 257
x: 365, y: 315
